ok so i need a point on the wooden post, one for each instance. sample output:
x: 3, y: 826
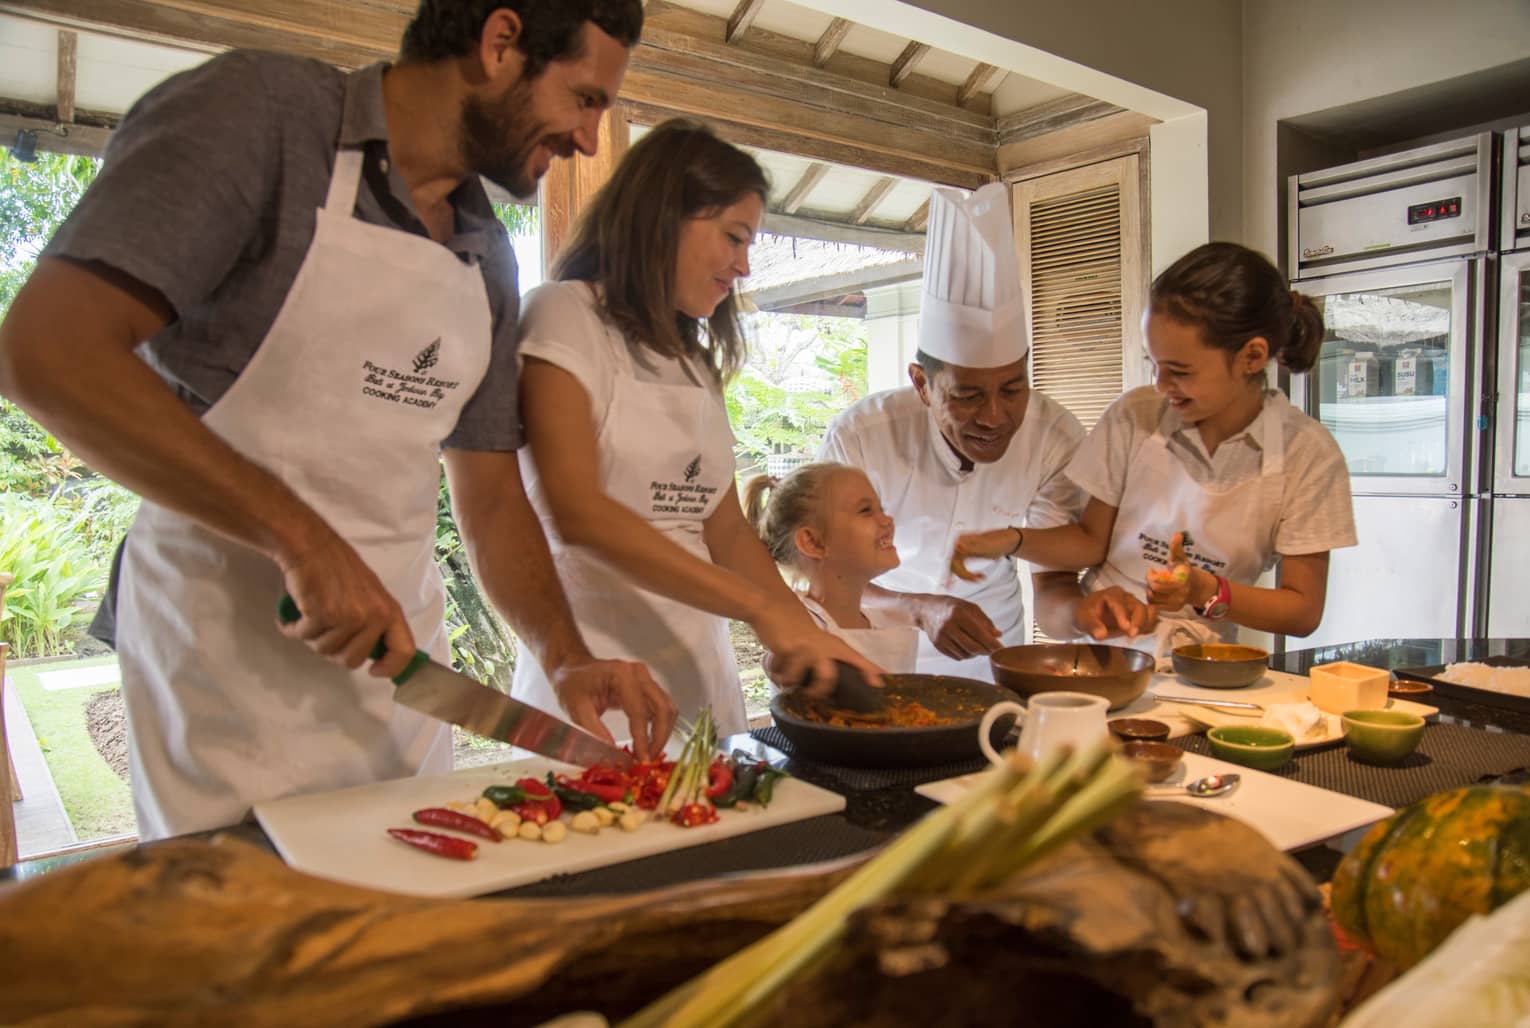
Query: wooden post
x: 11, y: 786
x: 8, y: 791
x: 568, y: 185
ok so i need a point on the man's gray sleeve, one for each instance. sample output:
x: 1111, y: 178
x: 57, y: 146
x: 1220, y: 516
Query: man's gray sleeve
x: 186, y: 183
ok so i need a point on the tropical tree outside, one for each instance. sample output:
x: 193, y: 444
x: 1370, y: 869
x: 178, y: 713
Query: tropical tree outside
x: 801, y: 372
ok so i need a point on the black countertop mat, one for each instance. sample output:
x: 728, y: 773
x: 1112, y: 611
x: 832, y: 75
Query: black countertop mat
x: 862, y: 779
x: 1448, y: 757
x: 800, y: 842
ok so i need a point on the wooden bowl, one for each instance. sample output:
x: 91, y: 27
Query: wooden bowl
x: 1118, y: 674
x: 1220, y: 665
x: 1157, y: 760
x: 1138, y: 729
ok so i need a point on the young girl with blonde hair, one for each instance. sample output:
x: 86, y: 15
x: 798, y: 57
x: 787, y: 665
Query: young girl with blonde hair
x: 824, y: 523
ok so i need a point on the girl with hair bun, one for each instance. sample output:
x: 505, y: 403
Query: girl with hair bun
x: 824, y: 523
x: 1208, y: 478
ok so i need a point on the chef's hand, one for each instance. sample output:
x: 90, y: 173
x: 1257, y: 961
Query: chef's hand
x: 345, y: 608
x: 1001, y: 542
x: 588, y: 689
x: 1113, y: 611
x: 957, y: 628
x: 800, y: 651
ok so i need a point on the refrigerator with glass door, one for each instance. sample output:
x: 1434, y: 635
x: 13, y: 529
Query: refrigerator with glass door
x: 1394, y: 251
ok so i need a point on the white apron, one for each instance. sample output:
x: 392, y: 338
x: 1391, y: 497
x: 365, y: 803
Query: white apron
x: 380, y: 341
x: 893, y: 648
x: 1232, y: 530
x: 666, y: 452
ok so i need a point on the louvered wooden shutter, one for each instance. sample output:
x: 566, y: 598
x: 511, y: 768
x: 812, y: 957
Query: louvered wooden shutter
x: 1080, y: 258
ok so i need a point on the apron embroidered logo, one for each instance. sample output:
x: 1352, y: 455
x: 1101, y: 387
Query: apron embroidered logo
x: 688, y: 498
x: 426, y: 358
x: 408, y: 390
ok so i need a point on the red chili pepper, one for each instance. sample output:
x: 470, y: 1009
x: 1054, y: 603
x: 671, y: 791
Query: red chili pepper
x: 440, y: 817
x: 435, y: 842
x: 649, y: 781
x: 606, y: 782
x: 693, y: 814
x: 719, y: 778
x: 541, y: 805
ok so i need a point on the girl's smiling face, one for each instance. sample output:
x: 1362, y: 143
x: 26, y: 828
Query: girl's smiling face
x: 854, y: 536
x: 1200, y: 381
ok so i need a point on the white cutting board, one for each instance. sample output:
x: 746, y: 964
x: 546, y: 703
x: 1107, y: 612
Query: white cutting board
x: 1289, y: 814
x: 342, y: 835
x: 1274, y: 687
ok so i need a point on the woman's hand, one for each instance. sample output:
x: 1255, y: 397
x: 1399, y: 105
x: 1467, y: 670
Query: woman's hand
x: 802, y: 655
x: 1171, y: 588
x: 1000, y: 542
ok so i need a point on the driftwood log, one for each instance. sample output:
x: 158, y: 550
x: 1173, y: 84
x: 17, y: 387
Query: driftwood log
x: 1172, y: 916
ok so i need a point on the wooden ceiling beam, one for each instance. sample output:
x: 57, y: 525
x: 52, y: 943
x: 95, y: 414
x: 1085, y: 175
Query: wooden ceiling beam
x: 917, y: 221
x: 875, y: 195
x: 779, y: 103
x: 742, y: 17
x: 828, y: 43
x: 985, y: 78
x: 835, y: 231
x: 903, y: 67
x: 68, y: 51
x: 803, y: 186
x: 818, y: 147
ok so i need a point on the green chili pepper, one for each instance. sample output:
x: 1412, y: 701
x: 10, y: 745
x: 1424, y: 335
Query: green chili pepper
x: 573, y: 799
x: 766, y: 786
x: 505, y: 796
x: 744, y: 781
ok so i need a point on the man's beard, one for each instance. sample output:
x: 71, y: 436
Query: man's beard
x: 498, y: 139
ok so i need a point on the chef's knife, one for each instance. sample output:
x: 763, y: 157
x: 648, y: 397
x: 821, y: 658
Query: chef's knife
x: 446, y: 695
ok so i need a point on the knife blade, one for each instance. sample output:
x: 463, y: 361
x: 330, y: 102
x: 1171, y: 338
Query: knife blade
x: 1232, y: 706
x: 446, y: 695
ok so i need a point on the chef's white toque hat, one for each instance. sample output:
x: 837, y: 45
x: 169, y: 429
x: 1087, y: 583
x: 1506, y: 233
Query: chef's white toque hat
x: 972, y: 313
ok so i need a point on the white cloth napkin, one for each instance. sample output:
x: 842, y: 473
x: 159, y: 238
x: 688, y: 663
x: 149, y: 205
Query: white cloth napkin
x: 1300, y: 719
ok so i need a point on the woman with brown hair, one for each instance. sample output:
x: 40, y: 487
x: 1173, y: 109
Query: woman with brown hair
x: 631, y: 456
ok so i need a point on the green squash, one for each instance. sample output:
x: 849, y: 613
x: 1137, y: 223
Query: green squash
x: 1417, y: 875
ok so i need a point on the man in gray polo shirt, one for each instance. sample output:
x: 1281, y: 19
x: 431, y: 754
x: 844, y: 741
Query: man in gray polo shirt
x: 323, y: 302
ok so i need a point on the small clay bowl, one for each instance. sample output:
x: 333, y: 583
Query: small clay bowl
x: 1255, y: 746
x: 1384, y: 737
x: 1138, y: 729
x: 1407, y: 689
x: 1156, y: 759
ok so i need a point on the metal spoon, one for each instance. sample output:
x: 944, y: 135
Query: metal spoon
x: 1201, y: 788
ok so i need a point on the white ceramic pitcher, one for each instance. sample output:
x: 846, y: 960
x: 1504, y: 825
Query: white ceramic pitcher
x: 1050, y: 720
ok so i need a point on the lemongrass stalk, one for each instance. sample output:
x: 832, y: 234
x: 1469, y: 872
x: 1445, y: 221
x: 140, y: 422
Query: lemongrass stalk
x: 748, y: 977
x: 975, y: 822
x: 976, y: 868
x: 1115, y: 788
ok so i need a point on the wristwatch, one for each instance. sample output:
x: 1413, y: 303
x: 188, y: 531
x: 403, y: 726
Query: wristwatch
x: 1216, y: 607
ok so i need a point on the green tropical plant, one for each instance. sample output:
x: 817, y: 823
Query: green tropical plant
x: 35, y: 198
x: 518, y: 219
x: 774, y: 404
x: 53, y: 572
x: 482, y: 645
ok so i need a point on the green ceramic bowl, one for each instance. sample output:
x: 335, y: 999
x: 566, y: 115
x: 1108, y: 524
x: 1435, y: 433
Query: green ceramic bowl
x: 1381, y: 736
x: 1263, y: 749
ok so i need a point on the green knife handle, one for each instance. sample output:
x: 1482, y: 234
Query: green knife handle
x: 287, y: 610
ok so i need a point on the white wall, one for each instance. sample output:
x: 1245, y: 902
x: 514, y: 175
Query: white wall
x: 1304, y: 56
x: 892, y: 335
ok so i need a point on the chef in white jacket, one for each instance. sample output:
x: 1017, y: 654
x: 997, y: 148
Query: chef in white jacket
x: 969, y: 446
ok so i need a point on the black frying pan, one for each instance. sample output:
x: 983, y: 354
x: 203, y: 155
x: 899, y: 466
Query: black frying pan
x: 866, y: 746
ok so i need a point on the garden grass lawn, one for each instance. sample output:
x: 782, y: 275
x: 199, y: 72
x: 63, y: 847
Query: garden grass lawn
x: 98, y: 803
